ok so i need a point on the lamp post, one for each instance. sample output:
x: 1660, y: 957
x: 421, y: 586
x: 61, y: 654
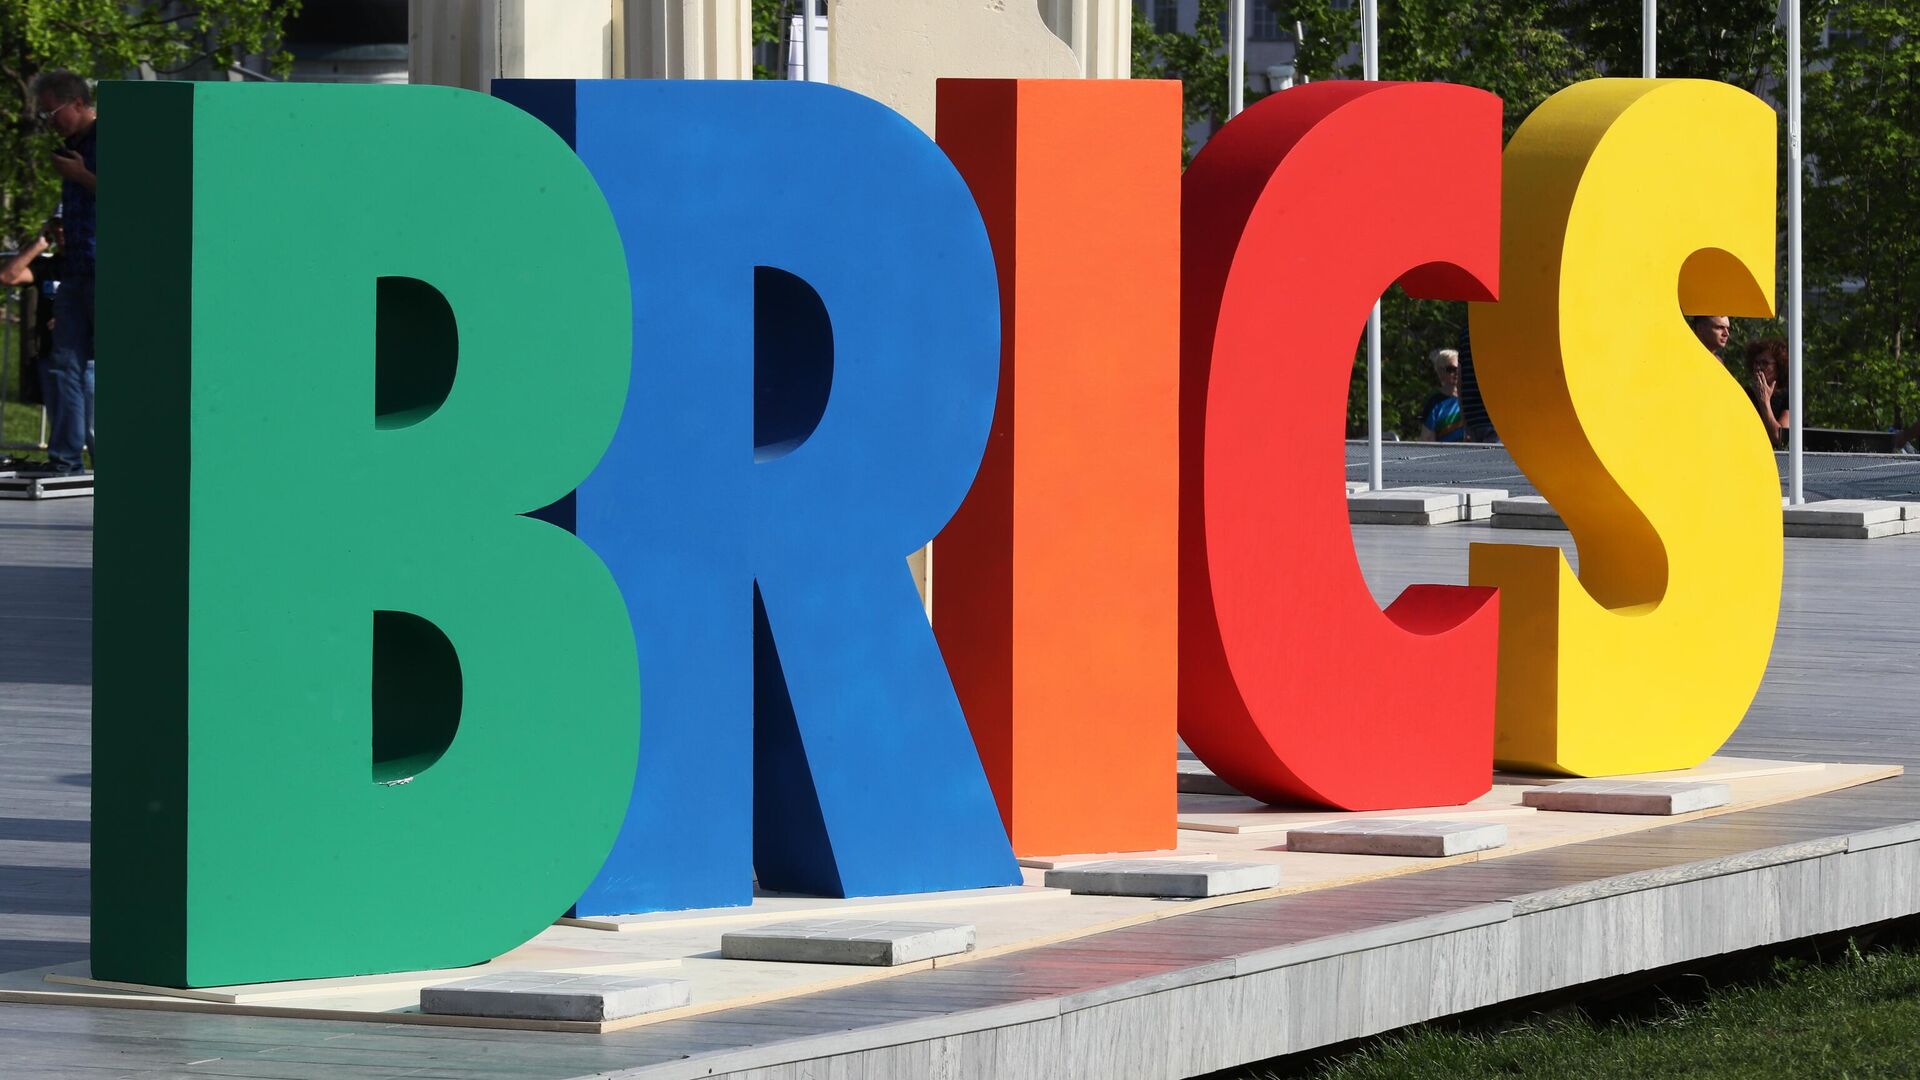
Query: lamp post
x: 1649, y: 33
x: 809, y: 51
x: 1370, y: 70
x: 1236, y: 57
x: 1796, y: 419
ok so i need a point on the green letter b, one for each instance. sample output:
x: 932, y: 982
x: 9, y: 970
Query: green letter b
x: 353, y: 712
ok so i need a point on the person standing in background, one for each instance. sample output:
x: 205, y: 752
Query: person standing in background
x: 1712, y: 330
x: 1767, y: 369
x: 1440, y: 416
x: 65, y: 105
x: 1472, y: 408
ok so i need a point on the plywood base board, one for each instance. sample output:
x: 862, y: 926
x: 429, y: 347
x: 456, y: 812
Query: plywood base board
x: 772, y: 908
x: 1055, y: 862
x: 1714, y: 768
x: 530, y: 957
x: 1241, y: 816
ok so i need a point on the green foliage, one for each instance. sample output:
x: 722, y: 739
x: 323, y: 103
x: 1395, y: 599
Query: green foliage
x: 110, y: 39
x: 1855, y: 1016
x: 1732, y: 41
x: 1862, y: 142
x: 1197, y: 60
x: 1519, y: 49
x: 770, y: 21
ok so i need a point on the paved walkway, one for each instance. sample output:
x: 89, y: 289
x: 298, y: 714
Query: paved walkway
x: 1828, y: 476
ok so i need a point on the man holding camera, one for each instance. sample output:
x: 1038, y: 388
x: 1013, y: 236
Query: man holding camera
x: 65, y: 104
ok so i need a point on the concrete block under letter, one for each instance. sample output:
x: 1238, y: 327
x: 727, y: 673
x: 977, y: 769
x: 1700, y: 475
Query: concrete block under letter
x: 1855, y: 512
x: 1197, y: 779
x: 541, y: 995
x: 1402, y: 507
x: 872, y: 942
x: 1399, y: 836
x: 1848, y: 532
x: 1477, y: 503
x: 1526, y: 512
x: 1658, y: 797
x: 1164, y: 878
x: 1847, y: 519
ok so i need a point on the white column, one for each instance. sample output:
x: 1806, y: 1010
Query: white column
x: 470, y: 43
x: 1796, y: 398
x: 443, y: 40
x: 1649, y: 35
x: 1105, y: 47
x: 686, y: 39
x: 812, y: 63
x: 1100, y: 32
x: 1370, y: 70
x: 546, y: 39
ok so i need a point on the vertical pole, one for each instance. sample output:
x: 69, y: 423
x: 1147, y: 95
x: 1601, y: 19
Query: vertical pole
x: 809, y: 53
x: 1649, y: 35
x: 1796, y: 404
x: 1236, y: 57
x: 1370, y: 70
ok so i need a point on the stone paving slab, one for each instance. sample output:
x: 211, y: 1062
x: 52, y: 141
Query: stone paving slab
x: 1517, y: 521
x: 1164, y: 878
x: 1405, y: 501
x: 1399, y: 836
x: 1663, y: 798
x: 540, y: 995
x: 1406, y: 507
x: 1828, y: 476
x: 1478, y: 501
x: 1875, y: 531
x: 1525, y: 512
x: 1525, y: 505
x: 1196, y: 779
x: 1851, y: 512
x: 869, y: 942
x: 1386, y: 517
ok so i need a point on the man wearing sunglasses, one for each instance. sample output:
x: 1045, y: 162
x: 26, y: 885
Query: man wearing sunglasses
x: 65, y: 104
x: 1440, y: 417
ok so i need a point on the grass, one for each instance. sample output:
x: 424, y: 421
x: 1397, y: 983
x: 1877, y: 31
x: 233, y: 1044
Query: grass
x: 1854, y: 1014
x: 19, y: 424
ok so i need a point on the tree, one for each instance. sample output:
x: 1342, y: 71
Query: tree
x: 106, y: 39
x: 1517, y: 49
x: 1861, y: 134
x: 1730, y: 41
x: 1197, y: 60
x: 770, y: 21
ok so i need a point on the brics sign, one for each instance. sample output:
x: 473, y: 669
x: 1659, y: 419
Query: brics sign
x: 523, y: 486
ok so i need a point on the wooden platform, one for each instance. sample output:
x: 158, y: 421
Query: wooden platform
x: 1007, y: 921
x: 1170, y: 997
